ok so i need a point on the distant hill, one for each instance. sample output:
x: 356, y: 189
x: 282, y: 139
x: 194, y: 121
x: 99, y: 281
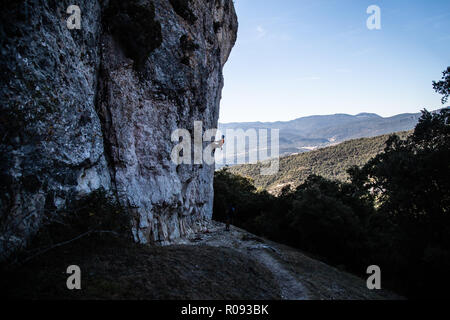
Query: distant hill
x: 329, y: 162
x: 310, y: 133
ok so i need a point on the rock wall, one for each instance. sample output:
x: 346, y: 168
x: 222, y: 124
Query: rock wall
x: 95, y: 108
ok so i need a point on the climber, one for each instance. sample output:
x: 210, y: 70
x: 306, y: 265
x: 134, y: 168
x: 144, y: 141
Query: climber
x: 230, y: 213
x: 219, y: 144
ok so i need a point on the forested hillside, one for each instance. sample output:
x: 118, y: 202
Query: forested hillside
x: 392, y: 212
x: 331, y: 163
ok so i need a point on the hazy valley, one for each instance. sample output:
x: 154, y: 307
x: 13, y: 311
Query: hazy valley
x: 310, y: 133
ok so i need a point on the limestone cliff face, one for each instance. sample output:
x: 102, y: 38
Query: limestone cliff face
x: 94, y: 108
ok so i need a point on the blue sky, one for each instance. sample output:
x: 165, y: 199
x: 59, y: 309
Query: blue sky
x: 296, y: 58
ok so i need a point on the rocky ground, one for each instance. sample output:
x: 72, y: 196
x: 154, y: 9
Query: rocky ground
x: 214, y: 264
x: 298, y: 276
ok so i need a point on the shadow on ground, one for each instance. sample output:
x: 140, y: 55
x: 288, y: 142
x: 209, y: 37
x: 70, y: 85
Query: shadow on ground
x: 212, y: 265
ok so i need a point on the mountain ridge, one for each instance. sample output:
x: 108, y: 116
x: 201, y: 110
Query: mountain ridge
x: 313, y: 132
x: 375, y: 115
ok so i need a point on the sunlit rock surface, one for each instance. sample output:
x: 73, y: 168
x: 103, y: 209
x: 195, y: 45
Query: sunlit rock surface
x: 94, y: 108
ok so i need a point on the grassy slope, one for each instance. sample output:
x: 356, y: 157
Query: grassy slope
x: 122, y: 270
x: 216, y: 265
x: 331, y: 162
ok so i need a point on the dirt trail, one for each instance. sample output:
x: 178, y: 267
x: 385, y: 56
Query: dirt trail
x: 291, y: 288
x: 298, y: 276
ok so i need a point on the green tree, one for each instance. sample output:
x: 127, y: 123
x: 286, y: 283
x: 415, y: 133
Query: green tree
x: 410, y: 185
x: 443, y: 86
x: 328, y: 220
